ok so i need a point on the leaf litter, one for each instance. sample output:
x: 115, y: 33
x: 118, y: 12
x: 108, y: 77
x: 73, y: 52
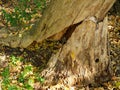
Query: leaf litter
x: 20, y: 68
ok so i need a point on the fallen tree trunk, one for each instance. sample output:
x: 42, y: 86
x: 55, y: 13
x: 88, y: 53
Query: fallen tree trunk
x: 58, y: 17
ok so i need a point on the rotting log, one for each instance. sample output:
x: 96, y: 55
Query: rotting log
x: 58, y: 17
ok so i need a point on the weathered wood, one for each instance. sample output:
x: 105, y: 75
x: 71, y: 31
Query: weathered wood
x: 83, y: 58
x: 58, y: 16
x: 62, y: 14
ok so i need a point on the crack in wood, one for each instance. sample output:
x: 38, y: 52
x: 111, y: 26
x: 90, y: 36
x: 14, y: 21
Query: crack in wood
x: 69, y: 32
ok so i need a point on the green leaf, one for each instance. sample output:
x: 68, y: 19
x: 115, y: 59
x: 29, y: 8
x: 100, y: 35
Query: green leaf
x: 5, y: 75
x: 40, y: 79
x: 28, y: 87
x: 21, y: 78
x: 12, y: 88
x: 31, y: 82
x: 6, y: 72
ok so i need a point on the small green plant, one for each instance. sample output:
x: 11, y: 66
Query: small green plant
x: 40, y: 4
x: 26, y: 72
x: 28, y: 87
x: 21, y: 78
x: 40, y: 79
x: 5, y: 75
x: 25, y: 77
x: 13, y: 88
x: 15, y: 60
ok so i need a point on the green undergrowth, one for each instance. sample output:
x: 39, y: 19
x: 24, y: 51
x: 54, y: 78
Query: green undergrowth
x: 23, y: 12
x: 20, y: 76
x: 23, y: 66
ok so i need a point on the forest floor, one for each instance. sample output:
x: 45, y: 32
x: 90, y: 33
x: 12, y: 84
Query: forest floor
x: 20, y: 67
